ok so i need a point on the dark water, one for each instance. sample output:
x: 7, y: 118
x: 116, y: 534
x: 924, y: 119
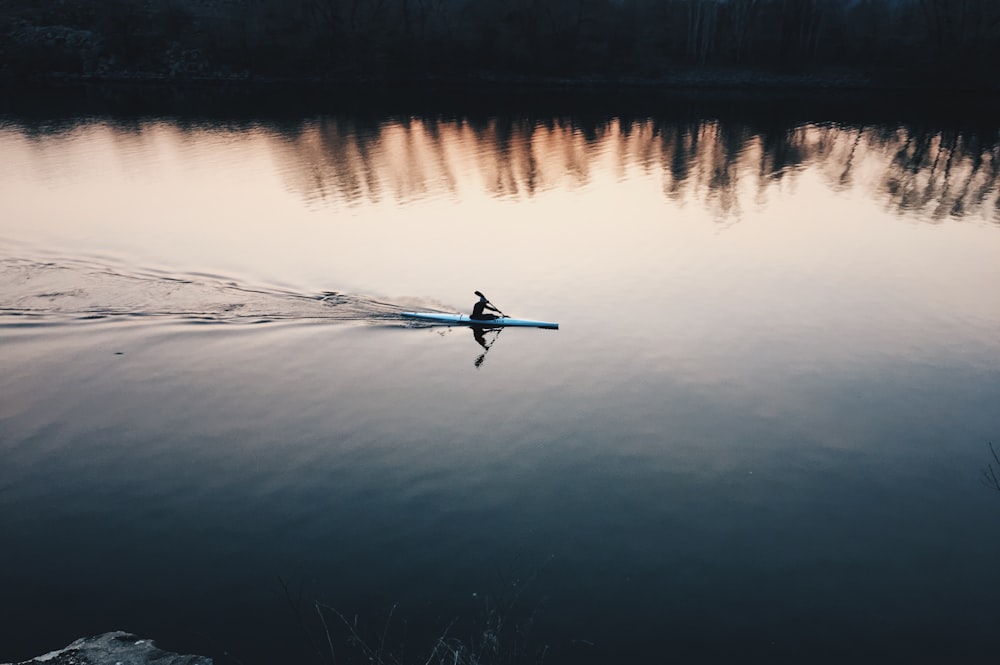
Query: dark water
x: 759, y: 435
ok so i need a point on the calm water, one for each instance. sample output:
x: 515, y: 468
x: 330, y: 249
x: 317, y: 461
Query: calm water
x: 759, y: 435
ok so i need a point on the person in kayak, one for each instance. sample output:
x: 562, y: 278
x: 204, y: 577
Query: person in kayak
x: 478, y: 312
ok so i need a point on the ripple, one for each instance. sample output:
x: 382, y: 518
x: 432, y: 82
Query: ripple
x: 88, y: 290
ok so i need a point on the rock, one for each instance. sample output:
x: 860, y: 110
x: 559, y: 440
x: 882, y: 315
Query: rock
x: 118, y: 648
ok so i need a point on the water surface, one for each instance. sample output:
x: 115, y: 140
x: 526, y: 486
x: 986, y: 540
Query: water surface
x: 759, y: 433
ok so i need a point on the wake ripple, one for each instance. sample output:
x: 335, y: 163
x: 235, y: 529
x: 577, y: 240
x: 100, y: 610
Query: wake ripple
x: 82, y: 290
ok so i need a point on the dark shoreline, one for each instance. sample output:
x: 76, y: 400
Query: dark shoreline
x: 678, y: 79
x: 769, y: 98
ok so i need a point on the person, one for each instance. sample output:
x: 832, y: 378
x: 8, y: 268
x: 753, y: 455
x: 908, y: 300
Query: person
x: 483, y: 304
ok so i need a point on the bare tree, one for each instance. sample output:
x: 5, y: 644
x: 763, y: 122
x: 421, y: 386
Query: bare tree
x: 800, y: 29
x: 742, y: 14
x: 702, y: 22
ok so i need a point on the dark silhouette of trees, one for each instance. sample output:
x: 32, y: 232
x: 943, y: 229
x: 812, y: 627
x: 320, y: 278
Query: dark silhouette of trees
x: 497, y: 38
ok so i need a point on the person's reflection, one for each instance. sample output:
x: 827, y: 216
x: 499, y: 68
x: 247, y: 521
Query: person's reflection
x: 479, y: 334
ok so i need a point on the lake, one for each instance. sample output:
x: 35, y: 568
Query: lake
x: 761, y: 432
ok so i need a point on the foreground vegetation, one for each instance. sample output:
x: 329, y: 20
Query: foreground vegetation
x: 925, y: 42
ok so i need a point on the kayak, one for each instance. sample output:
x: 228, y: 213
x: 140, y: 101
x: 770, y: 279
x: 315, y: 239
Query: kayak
x: 464, y: 320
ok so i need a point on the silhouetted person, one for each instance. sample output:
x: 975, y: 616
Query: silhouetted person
x: 483, y: 304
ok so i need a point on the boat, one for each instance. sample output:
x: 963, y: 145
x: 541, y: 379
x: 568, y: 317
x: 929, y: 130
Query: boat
x: 464, y: 320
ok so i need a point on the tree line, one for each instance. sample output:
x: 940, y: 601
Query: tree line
x: 496, y: 38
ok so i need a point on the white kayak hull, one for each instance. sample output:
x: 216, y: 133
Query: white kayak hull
x: 464, y: 320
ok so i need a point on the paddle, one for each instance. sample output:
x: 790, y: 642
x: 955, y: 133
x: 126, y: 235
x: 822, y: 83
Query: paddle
x: 480, y: 294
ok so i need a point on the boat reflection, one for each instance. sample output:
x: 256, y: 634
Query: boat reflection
x: 479, y: 333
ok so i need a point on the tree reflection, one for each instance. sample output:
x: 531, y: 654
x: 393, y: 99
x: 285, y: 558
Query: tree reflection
x: 942, y: 174
x: 719, y: 164
x: 722, y: 164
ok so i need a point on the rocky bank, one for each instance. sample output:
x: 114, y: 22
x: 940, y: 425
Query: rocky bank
x: 117, y: 648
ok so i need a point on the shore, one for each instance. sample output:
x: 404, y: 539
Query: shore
x: 115, y: 648
x: 678, y: 79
